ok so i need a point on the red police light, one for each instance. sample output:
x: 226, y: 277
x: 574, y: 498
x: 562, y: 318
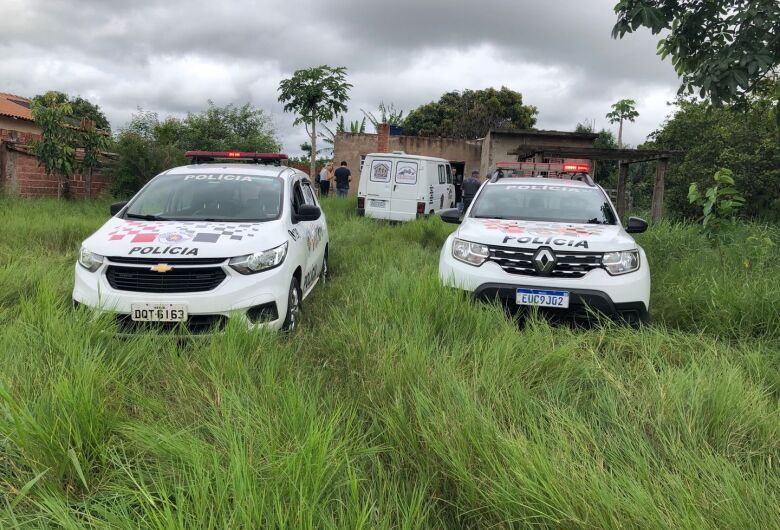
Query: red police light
x: 209, y: 156
x: 576, y: 168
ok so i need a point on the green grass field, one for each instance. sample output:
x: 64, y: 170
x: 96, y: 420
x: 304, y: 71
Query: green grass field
x: 398, y: 404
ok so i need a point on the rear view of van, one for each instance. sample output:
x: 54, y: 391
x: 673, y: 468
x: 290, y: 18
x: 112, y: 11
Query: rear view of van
x: 400, y: 187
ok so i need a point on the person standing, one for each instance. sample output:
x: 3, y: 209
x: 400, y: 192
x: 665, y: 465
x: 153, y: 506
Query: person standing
x: 457, y: 180
x: 343, y: 178
x: 326, y: 177
x: 470, y: 188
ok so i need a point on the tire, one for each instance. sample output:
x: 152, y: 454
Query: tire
x: 325, y: 270
x: 293, y: 316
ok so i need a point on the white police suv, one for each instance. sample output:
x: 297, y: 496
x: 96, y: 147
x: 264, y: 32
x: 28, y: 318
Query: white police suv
x: 203, y: 243
x: 554, y: 243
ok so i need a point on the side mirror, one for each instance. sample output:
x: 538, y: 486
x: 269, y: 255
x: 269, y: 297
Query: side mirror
x: 451, y: 216
x: 117, y: 207
x: 308, y: 212
x: 636, y: 225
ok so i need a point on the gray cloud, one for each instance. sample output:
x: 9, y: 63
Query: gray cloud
x: 171, y: 57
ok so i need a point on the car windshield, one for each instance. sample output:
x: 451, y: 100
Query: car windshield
x: 544, y: 202
x: 209, y: 197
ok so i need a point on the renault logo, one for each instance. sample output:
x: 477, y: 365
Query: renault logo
x: 161, y: 267
x: 544, y: 260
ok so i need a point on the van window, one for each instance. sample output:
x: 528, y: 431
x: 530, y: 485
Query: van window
x: 449, y: 174
x: 442, y: 176
x: 406, y: 172
x: 380, y: 170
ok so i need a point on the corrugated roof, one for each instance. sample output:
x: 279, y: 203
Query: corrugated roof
x: 15, y: 106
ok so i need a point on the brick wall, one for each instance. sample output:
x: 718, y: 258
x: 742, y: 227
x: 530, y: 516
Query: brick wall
x: 21, y: 175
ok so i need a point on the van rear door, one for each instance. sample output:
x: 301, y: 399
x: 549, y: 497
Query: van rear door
x: 403, y: 205
x: 377, y: 173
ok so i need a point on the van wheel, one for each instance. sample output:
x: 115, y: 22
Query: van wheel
x: 293, y: 306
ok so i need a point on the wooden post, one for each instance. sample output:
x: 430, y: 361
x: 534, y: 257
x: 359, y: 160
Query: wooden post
x: 621, y: 189
x: 658, y: 189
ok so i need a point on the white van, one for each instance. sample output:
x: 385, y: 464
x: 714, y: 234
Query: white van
x: 402, y: 187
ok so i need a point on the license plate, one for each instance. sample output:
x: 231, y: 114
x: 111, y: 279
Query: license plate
x: 374, y: 203
x: 158, y: 312
x: 542, y: 298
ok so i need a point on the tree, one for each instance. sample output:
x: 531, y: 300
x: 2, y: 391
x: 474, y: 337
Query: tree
x: 240, y: 128
x: 605, y: 169
x: 80, y: 107
x: 92, y: 141
x: 720, y: 205
x: 471, y: 114
x: 722, y: 48
x: 625, y: 109
x: 56, y: 150
x: 315, y: 95
x: 387, y: 114
x: 741, y: 137
x: 63, y: 131
x: 145, y: 147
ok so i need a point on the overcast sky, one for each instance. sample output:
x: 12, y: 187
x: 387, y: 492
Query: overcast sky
x: 171, y: 57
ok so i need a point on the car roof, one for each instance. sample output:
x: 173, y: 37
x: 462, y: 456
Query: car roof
x: 550, y: 181
x: 407, y: 156
x: 260, y: 170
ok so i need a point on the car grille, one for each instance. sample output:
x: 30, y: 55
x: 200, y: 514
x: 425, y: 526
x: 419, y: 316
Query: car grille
x: 568, y: 264
x: 177, y: 280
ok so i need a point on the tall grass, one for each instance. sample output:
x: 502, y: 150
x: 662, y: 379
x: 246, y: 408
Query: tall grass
x: 398, y: 404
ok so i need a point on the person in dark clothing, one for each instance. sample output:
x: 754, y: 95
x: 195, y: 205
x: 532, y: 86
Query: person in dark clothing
x: 343, y: 178
x: 457, y: 180
x: 470, y: 188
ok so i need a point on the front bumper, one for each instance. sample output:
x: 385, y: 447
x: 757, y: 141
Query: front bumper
x: 625, y: 297
x: 583, y: 303
x: 258, y: 300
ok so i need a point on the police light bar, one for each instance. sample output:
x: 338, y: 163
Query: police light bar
x: 199, y: 157
x: 576, y: 168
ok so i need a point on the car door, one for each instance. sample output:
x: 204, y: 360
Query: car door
x: 405, y: 196
x: 441, y: 196
x: 379, y: 188
x: 315, y: 236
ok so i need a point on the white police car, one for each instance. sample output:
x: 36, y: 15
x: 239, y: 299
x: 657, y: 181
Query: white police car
x: 552, y: 243
x: 203, y: 243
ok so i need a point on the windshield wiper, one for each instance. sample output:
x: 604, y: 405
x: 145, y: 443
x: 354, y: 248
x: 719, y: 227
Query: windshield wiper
x: 146, y: 217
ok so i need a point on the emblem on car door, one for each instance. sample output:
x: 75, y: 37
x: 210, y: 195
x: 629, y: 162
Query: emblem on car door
x: 544, y: 261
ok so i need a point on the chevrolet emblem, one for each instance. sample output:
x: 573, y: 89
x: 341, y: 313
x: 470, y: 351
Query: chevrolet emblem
x: 161, y: 267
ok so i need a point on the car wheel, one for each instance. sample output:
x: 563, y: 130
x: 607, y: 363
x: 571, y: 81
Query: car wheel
x: 324, y: 272
x: 293, y: 306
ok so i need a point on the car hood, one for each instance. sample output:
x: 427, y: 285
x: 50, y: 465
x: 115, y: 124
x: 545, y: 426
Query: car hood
x: 184, y: 239
x: 535, y: 234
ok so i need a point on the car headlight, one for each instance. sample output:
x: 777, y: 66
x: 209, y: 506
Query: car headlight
x: 468, y: 252
x: 260, y: 261
x: 90, y: 260
x: 621, y: 262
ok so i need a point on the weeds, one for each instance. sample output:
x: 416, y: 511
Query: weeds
x: 398, y: 404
